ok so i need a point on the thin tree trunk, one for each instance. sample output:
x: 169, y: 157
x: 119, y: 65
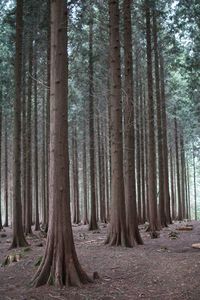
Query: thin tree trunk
x: 153, y: 222
x: 93, y: 214
x: 85, y: 185
x: 6, y: 174
x: 162, y: 215
x: 28, y: 216
x: 37, y: 224
x: 1, y: 226
x: 180, y: 215
x: 195, y: 186
x: 172, y: 186
x: 165, y: 143
x: 18, y: 234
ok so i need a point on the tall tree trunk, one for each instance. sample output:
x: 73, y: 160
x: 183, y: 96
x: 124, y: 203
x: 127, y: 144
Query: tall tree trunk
x: 60, y: 264
x: 118, y: 234
x: 76, y: 208
x: 37, y: 223
x: 162, y: 215
x: 165, y: 143
x: 129, y: 138
x: 195, y: 186
x: 1, y: 225
x: 180, y: 215
x: 183, y: 175
x: 188, y: 183
x: 153, y: 222
x: 85, y: 185
x: 43, y: 181
x: 28, y: 216
x: 93, y: 196
x: 138, y: 156
x: 172, y: 186
x: 18, y: 234
x: 6, y: 174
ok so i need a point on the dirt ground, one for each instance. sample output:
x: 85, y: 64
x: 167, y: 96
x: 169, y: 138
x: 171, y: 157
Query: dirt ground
x: 162, y: 268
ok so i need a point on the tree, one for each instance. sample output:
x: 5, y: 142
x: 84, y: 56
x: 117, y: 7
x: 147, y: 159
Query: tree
x: 60, y: 264
x: 18, y: 234
x: 151, y: 129
x: 93, y: 214
x: 129, y: 174
x: 1, y: 226
x: 117, y: 234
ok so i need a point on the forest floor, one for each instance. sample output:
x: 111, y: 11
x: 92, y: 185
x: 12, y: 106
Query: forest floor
x: 163, y: 268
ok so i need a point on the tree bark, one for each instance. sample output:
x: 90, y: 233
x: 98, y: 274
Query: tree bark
x: 129, y: 138
x: 152, y: 194
x: 37, y: 223
x: 28, y: 215
x: 1, y: 225
x: 18, y: 234
x: 180, y: 215
x: 118, y: 234
x: 6, y: 174
x: 60, y: 264
x: 93, y: 196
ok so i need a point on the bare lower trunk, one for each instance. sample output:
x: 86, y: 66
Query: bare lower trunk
x: 60, y: 265
x: 118, y: 234
x: 18, y: 234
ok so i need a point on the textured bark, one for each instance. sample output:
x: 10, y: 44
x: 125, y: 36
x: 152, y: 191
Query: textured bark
x: 183, y: 196
x: 1, y: 226
x: 165, y: 143
x: 60, y: 264
x: 195, y: 186
x: 93, y: 195
x: 138, y: 156
x: 160, y: 152
x: 172, y: 186
x: 180, y: 214
x: 152, y: 190
x: 76, y: 208
x: 117, y: 234
x: 18, y: 234
x: 129, y: 138
x: 101, y: 173
x: 6, y: 174
x: 142, y: 149
x: 189, y: 199
x: 28, y: 214
x: 85, y: 185
x: 43, y: 167
x: 37, y: 224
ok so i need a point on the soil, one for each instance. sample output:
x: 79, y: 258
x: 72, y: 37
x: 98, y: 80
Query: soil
x: 163, y: 268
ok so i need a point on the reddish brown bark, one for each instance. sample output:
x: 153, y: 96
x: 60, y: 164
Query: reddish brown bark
x: 18, y: 235
x: 60, y: 264
x: 118, y: 234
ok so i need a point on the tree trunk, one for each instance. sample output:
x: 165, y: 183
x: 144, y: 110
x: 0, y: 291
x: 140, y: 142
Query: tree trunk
x: 129, y: 138
x: 60, y: 264
x: 93, y: 197
x: 6, y: 174
x: 183, y: 202
x: 162, y: 214
x: 18, y: 234
x: 172, y: 186
x: 152, y: 194
x: 76, y: 208
x: 118, y: 234
x: 195, y: 186
x: 85, y: 185
x: 1, y: 226
x: 37, y: 223
x: 165, y: 143
x: 28, y: 216
x: 180, y: 215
